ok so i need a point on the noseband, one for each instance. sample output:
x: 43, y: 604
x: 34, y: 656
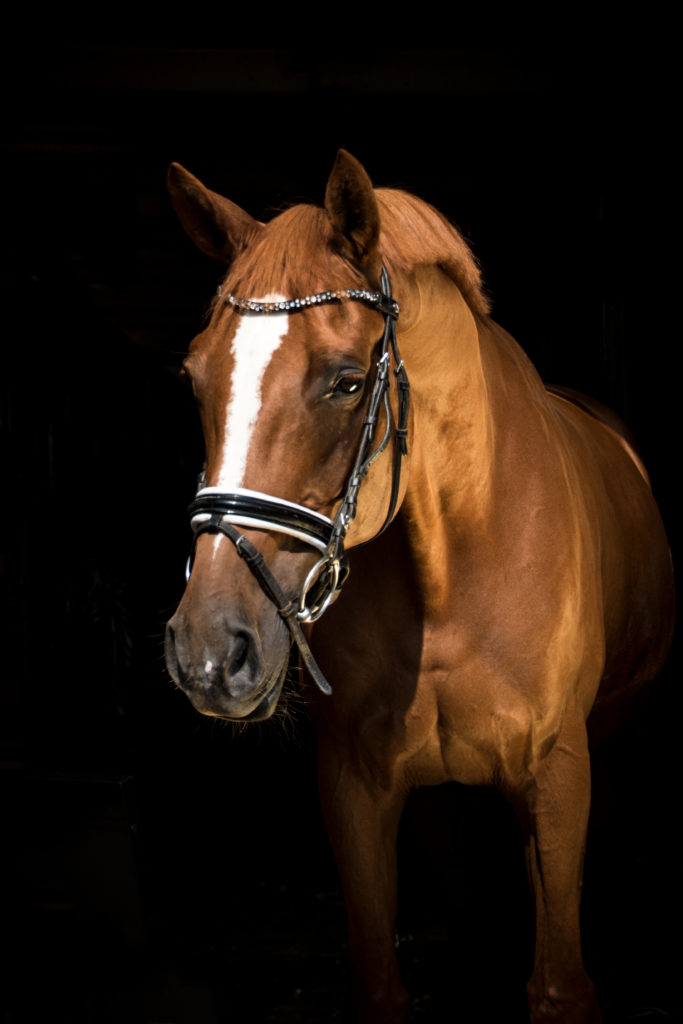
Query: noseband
x: 219, y: 512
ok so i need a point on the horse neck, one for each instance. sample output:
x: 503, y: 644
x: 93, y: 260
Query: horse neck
x: 449, y: 490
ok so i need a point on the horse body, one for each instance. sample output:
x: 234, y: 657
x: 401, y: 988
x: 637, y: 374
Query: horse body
x: 527, y: 568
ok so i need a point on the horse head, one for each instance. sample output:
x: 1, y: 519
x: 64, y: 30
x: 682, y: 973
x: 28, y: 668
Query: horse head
x: 286, y: 379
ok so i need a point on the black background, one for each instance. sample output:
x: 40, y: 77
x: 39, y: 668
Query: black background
x: 160, y: 868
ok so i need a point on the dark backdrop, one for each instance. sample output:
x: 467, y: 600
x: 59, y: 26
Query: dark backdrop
x: 161, y: 868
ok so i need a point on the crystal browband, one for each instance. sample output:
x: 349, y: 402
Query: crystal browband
x: 377, y: 300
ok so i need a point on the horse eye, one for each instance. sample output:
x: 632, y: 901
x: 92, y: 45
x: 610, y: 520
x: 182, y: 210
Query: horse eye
x: 347, y: 385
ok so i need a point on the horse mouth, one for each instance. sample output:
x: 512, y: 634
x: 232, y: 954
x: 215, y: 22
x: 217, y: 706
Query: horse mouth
x: 217, y: 704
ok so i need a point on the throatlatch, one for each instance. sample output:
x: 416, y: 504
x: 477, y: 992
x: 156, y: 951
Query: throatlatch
x: 216, y: 511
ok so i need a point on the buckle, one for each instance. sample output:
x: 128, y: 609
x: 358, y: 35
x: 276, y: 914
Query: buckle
x: 388, y: 306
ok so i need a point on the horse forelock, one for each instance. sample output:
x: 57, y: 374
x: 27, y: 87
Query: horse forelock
x: 294, y: 256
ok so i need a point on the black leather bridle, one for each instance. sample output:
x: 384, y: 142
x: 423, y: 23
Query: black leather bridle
x: 219, y: 512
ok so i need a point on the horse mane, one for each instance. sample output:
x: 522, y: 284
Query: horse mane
x: 293, y: 254
x: 413, y: 233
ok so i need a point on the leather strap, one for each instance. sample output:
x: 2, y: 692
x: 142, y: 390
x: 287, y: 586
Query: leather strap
x: 252, y: 509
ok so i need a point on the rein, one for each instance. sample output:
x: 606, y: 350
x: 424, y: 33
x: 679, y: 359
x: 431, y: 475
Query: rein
x: 215, y: 511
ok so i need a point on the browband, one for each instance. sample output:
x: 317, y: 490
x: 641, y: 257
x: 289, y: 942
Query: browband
x: 380, y: 301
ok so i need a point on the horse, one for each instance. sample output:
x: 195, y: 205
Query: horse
x: 470, y: 564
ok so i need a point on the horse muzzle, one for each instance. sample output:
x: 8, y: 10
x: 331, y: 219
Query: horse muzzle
x: 224, y: 672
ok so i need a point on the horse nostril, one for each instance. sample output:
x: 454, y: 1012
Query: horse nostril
x: 240, y: 651
x: 171, y: 653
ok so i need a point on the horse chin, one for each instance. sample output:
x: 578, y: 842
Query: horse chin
x: 255, y: 709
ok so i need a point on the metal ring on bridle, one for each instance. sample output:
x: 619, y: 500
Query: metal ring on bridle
x: 331, y: 592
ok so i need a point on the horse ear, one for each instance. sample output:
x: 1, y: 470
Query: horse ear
x: 216, y: 226
x: 352, y: 208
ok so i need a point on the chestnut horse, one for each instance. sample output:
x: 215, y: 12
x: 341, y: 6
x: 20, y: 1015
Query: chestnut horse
x: 508, y: 566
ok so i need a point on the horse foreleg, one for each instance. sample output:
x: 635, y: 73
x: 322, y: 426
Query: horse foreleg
x: 362, y: 821
x: 555, y: 816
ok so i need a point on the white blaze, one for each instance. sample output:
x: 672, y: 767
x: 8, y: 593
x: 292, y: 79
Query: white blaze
x: 253, y: 345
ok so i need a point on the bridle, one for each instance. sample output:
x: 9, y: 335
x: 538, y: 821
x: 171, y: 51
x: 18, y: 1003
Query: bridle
x: 216, y: 511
